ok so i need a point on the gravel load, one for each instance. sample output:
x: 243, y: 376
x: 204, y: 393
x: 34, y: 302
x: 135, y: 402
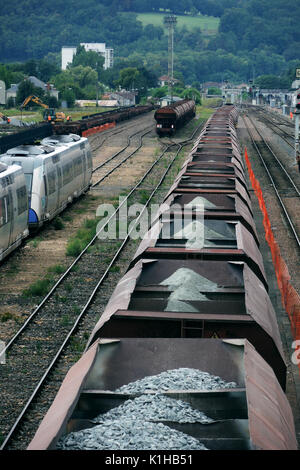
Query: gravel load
x: 126, y: 434
x: 155, y: 408
x: 177, y: 379
x: 134, y: 424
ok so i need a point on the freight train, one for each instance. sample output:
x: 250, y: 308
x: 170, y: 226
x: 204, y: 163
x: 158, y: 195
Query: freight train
x: 172, y: 117
x: 98, y: 119
x: 190, y: 324
x: 38, y: 181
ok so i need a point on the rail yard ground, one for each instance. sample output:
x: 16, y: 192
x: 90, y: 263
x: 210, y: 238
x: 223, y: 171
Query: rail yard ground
x: 30, y: 272
x: 284, y: 238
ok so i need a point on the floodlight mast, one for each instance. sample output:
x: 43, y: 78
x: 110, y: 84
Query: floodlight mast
x: 170, y: 21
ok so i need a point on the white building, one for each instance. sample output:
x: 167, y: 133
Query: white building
x: 68, y: 52
x: 2, y: 92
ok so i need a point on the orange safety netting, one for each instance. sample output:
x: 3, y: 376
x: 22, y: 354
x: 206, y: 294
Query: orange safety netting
x: 289, y: 296
x: 95, y: 130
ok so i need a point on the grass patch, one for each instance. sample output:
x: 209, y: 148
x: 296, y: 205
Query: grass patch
x: 208, y: 24
x: 13, y: 269
x: 115, y: 269
x: 58, y: 223
x: 56, y: 269
x: 74, y: 248
x: 144, y: 196
x: 67, y: 218
x: 65, y: 320
x: 39, y: 288
x: 6, y: 316
x: 82, y: 237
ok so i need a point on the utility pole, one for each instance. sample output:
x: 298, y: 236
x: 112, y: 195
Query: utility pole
x: 170, y: 21
x: 296, y: 115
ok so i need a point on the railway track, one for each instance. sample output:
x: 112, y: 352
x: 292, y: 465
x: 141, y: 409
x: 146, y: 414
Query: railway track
x: 273, y: 124
x: 98, y: 140
x: 283, y: 184
x: 48, y: 329
x: 101, y: 170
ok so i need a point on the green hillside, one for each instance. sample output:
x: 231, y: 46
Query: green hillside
x: 208, y: 24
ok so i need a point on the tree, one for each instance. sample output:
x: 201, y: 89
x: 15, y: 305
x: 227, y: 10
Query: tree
x: 214, y: 91
x: 26, y: 88
x: 68, y: 95
x: 191, y: 94
x: 129, y: 78
x: 88, y: 59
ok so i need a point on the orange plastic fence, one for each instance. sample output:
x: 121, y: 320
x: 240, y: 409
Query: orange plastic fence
x: 95, y: 130
x: 289, y: 296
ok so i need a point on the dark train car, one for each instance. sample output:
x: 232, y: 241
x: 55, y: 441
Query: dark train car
x: 98, y: 119
x: 252, y: 413
x: 170, y: 118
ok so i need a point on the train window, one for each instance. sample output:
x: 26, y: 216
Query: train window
x: 7, y: 180
x: 55, y: 158
x: 28, y: 179
x: 89, y: 159
x: 4, y: 210
x: 22, y: 199
x: 51, y: 182
x: 59, y: 177
x: 2, y: 213
x: 67, y: 172
x: 77, y: 166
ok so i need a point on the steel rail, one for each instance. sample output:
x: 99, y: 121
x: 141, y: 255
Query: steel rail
x: 75, y: 325
x: 272, y: 180
x: 110, y: 133
x: 290, y: 136
x: 122, y: 161
x: 277, y: 159
x: 119, y: 151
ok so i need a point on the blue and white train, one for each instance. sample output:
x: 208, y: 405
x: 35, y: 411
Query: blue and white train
x: 13, y: 208
x: 54, y: 172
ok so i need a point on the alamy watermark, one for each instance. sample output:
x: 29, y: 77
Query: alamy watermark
x: 2, y: 353
x: 177, y: 222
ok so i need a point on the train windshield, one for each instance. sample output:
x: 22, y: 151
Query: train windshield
x: 28, y: 178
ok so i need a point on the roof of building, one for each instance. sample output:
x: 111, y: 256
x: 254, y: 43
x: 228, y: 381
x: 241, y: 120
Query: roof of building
x: 274, y: 90
x: 166, y: 77
x: 168, y: 98
x: 124, y: 94
x: 34, y: 80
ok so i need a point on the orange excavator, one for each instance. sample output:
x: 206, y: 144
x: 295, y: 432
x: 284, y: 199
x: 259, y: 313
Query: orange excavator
x: 5, y: 118
x: 49, y: 115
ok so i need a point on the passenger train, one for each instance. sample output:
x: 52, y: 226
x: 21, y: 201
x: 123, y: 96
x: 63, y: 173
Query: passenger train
x: 53, y: 172
x: 13, y: 208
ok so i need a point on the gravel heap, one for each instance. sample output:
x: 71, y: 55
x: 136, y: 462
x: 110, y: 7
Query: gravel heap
x: 155, y: 408
x: 130, y: 426
x: 177, y: 379
x: 126, y: 434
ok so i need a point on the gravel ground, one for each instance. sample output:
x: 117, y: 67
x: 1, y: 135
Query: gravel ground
x: 287, y: 247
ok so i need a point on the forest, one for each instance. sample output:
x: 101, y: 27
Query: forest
x: 255, y: 37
